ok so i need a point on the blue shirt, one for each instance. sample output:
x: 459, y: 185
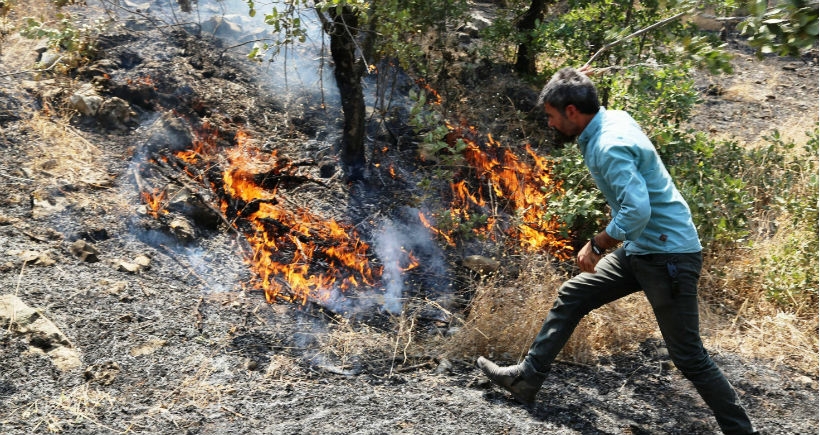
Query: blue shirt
x: 648, y: 212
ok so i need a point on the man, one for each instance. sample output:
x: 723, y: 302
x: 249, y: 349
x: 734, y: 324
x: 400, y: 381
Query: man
x: 660, y: 254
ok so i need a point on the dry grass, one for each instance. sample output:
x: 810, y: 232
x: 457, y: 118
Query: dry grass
x: 62, y: 156
x: 759, y: 328
x: 79, y: 405
x: 346, y: 342
x: 792, y: 125
x: 18, y: 53
x: 505, y: 317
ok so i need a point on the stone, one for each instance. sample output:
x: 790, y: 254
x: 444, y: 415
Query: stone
x: 41, y: 334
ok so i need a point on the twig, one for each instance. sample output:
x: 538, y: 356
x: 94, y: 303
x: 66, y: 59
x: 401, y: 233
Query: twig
x: 35, y: 70
x: 199, y: 314
x: 632, y: 35
x: 12, y: 177
x: 414, y: 367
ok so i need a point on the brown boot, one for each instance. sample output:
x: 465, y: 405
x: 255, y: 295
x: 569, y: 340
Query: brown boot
x: 515, y: 379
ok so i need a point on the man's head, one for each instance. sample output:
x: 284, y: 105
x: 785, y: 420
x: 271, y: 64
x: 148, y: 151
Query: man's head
x: 570, y: 100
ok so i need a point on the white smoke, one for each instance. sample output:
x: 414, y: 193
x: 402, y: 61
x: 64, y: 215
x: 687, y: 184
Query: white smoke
x: 393, y: 243
x: 389, y: 245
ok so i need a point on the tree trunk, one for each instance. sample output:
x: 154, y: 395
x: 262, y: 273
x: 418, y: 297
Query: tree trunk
x: 525, y: 60
x: 348, y: 71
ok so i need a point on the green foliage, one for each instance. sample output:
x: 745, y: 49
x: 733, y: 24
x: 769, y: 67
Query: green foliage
x: 398, y: 27
x: 431, y: 130
x: 706, y: 171
x: 606, y: 21
x: 787, y: 29
x: 790, y: 270
x: 286, y: 23
x: 408, y: 30
x: 580, y: 208
x: 460, y: 226
x: 76, y: 44
x: 654, y: 96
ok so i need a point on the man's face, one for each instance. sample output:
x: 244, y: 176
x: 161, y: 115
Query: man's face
x: 563, y: 122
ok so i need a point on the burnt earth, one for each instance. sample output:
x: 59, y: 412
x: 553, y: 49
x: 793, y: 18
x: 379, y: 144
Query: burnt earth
x: 176, y: 345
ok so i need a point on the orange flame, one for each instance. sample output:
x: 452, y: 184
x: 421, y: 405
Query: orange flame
x: 519, y: 186
x: 447, y: 237
x: 436, y: 97
x: 296, y: 255
x: 154, y: 202
x: 204, y: 144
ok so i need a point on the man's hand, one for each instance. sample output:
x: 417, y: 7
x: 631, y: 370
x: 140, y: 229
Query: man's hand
x: 587, y: 259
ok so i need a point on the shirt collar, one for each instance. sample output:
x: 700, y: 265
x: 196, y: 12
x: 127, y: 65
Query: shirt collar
x: 591, y: 130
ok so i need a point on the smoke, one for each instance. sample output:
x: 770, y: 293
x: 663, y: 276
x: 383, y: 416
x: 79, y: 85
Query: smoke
x: 397, y: 243
x: 389, y: 246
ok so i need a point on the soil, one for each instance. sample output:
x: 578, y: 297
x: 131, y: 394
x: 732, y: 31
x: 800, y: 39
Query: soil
x: 157, y: 331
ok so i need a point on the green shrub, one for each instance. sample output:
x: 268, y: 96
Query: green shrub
x: 790, y: 268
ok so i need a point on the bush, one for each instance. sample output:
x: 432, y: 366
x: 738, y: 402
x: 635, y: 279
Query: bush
x: 788, y: 272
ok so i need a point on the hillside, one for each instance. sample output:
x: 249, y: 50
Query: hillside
x: 127, y: 313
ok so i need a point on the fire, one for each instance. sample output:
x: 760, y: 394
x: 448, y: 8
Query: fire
x: 296, y: 255
x: 311, y: 241
x: 435, y: 96
x: 507, y: 182
x: 204, y: 144
x: 443, y: 234
x: 154, y: 202
x: 299, y: 256
x: 144, y: 80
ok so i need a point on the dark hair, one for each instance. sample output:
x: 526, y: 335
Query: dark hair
x: 569, y: 86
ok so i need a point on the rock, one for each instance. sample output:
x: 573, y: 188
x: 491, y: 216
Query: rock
x: 143, y: 261
x: 103, y: 373
x: 444, y: 366
x: 48, y: 58
x: 115, y: 113
x: 65, y: 358
x: 85, y: 251
x: 147, y: 348
x: 45, y: 202
x: 40, y: 332
x: 138, y: 264
x: 34, y: 257
x: 183, y: 229
x: 126, y: 266
x: 223, y: 27
x: 86, y: 100
x: 169, y: 132
x: 481, y: 264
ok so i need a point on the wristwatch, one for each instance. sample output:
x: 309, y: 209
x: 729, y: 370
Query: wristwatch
x: 595, y: 248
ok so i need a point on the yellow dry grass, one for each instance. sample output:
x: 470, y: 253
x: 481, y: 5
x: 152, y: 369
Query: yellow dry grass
x: 506, y: 316
x: 345, y: 342
x: 757, y: 327
x: 792, y: 124
x: 81, y: 404
x: 62, y: 156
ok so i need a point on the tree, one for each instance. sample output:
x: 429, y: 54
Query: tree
x: 349, y: 67
x: 525, y: 59
x: 361, y: 32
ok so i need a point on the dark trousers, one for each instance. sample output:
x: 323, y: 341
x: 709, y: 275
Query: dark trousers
x: 670, y: 283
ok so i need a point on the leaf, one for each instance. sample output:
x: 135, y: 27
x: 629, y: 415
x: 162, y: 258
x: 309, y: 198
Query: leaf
x: 811, y: 29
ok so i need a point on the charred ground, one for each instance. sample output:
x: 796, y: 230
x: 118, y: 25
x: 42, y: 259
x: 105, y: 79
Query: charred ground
x: 157, y: 335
